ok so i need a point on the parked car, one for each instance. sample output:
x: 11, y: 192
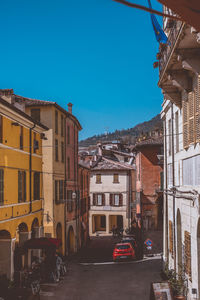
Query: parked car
x: 137, y: 246
x: 123, y: 251
x: 130, y: 240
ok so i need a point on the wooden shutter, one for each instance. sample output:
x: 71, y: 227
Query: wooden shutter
x: 1, y: 186
x: 103, y: 199
x: 24, y: 185
x: 191, y: 117
x: 185, y: 123
x: 120, y: 200
x: 111, y: 199
x: 188, y: 254
x: 19, y: 186
x: 197, y: 109
x: 94, y: 199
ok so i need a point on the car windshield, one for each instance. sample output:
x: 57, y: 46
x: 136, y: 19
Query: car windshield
x: 122, y: 247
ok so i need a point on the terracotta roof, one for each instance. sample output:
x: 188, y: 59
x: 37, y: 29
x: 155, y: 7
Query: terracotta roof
x: 20, y: 112
x: 107, y: 164
x: 35, y: 102
x: 84, y: 164
x: 157, y: 141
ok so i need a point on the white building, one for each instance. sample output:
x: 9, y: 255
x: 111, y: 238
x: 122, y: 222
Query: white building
x: 180, y: 82
x: 110, y: 196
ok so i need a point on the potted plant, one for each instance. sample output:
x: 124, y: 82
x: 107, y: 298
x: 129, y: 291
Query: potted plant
x: 178, y: 283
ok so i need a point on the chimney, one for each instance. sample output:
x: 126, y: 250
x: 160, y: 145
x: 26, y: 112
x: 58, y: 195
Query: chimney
x: 70, y: 107
x: 7, y: 94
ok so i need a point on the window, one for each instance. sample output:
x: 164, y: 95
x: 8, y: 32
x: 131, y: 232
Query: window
x: 1, y: 186
x: 35, y: 114
x: 187, y: 241
x: 116, y: 178
x: 177, y: 132
x: 56, y: 122
x: 191, y: 171
x: 68, y: 135
x: 61, y: 190
x: 98, y: 178
x: 62, y: 151
x: 116, y: 200
x: 170, y: 137
x: 36, y: 186
x: 21, y: 186
x: 161, y: 181
x: 56, y: 191
x: 35, y: 143
x: 62, y: 125
x: 99, y: 199
x: 1, y: 129
x: 69, y: 201
x: 68, y: 167
x: 56, y: 150
x: 21, y: 138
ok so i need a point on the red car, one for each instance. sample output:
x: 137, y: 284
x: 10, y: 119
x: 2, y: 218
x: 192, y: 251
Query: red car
x: 123, y: 251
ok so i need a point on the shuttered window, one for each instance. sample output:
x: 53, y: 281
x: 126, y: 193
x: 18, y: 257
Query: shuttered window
x: 98, y: 199
x: 62, y: 151
x: 56, y: 150
x: 185, y: 123
x: 21, y: 138
x: 98, y: 178
x: 56, y: 191
x: 61, y: 190
x: 191, y: 117
x: 1, y: 129
x: 188, y: 268
x: 69, y: 201
x: 56, y: 122
x: 197, y: 108
x: 116, y: 178
x: 21, y: 186
x: 35, y: 114
x: 62, y: 125
x: 191, y: 171
x: 116, y: 200
x: 1, y: 186
x: 36, y: 186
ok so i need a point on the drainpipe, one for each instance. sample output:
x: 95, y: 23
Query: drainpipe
x: 30, y: 166
x: 173, y: 183
x: 65, y: 187
x: 165, y: 195
x: 130, y: 200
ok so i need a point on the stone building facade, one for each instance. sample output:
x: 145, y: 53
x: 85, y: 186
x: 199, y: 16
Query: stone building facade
x: 179, y: 64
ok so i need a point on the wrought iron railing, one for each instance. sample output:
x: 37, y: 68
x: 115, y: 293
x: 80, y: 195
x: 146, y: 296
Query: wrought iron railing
x: 166, y: 49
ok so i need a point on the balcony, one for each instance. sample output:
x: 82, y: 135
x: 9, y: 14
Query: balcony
x: 166, y: 51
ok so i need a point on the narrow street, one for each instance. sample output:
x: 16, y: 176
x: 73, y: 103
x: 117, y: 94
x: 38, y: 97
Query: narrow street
x: 93, y: 275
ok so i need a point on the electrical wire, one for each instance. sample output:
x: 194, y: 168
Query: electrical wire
x: 150, y: 10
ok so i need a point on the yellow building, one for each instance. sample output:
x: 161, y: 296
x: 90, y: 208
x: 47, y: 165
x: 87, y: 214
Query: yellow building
x: 21, y: 186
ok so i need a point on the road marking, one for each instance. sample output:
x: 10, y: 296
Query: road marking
x: 125, y: 262
x: 47, y: 294
x: 49, y: 284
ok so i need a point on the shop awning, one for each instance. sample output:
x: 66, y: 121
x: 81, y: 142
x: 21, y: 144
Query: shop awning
x: 42, y: 243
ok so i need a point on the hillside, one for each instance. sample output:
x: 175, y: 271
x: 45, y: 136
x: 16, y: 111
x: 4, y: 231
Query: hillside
x: 128, y: 135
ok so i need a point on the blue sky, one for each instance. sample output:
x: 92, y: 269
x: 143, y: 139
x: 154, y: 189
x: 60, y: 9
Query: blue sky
x: 97, y: 54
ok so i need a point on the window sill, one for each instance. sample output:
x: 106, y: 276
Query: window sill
x: 98, y: 182
x: 115, y: 181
